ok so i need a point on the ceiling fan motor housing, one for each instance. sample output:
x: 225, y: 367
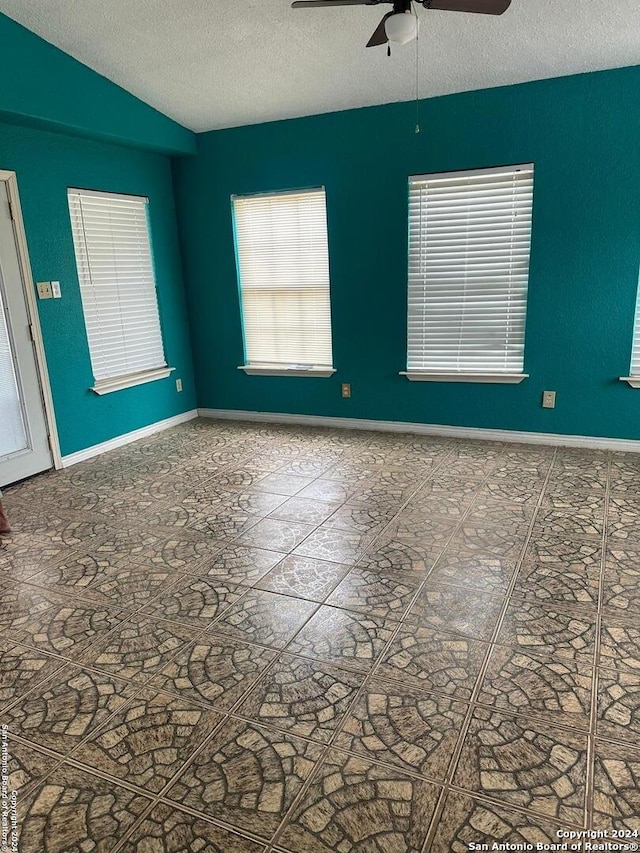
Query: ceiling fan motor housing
x: 401, y: 27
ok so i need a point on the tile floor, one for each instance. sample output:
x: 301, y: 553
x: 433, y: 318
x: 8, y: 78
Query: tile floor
x: 240, y: 638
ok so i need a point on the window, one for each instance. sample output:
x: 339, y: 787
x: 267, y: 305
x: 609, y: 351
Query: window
x: 118, y: 289
x: 634, y: 378
x: 283, y: 273
x: 469, y: 244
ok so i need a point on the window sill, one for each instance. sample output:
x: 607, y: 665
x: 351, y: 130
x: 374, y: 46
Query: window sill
x: 108, y: 386
x: 280, y: 370
x: 634, y: 381
x: 483, y: 378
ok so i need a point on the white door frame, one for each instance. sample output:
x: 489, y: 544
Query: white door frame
x: 11, y: 181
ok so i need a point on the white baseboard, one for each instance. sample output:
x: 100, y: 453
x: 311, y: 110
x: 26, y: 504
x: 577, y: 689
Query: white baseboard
x: 552, y: 439
x: 121, y: 440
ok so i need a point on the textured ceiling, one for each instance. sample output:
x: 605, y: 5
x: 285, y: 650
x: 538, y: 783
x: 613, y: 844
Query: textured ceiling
x: 211, y: 64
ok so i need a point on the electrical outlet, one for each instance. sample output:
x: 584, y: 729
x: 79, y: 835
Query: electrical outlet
x: 346, y: 389
x: 178, y: 385
x: 55, y: 289
x: 44, y: 290
x: 548, y: 399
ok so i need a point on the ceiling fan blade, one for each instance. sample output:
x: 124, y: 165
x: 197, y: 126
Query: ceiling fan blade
x: 482, y: 7
x: 311, y: 4
x: 380, y: 34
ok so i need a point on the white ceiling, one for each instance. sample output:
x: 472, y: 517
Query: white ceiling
x: 220, y: 63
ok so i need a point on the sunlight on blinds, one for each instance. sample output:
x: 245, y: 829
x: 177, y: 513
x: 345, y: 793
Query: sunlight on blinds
x: 283, y: 269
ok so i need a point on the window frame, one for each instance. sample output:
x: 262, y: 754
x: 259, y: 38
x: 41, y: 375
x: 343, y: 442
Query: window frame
x: 109, y: 384
x: 275, y: 369
x: 486, y: 377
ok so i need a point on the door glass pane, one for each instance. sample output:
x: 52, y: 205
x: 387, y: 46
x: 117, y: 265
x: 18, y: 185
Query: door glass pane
x: 13, y: 436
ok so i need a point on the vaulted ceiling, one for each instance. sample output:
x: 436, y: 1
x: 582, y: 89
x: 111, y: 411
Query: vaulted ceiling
x: 215, y: 63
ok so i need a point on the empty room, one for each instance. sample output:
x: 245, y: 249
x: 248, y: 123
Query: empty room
x: 319, y: 426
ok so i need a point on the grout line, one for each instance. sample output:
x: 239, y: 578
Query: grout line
x: 591, y: 743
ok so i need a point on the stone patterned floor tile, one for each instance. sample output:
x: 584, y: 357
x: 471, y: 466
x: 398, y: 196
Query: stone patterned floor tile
x: 621, y: 588
x: 302, y: 697
x: 526, y: 491
x: 138, y: 648
x: 354, y: 640
x: 361, y: 519
x: 616, y: 799
x: 576, y: 586
x: 26, y: 766
x: 275, y: 535
x: 558, y: 522
x: 121, y: 581
x: 403, y: 726
x: 433, y: 660
x: 504, y: 540
x: 61, y: 712
x: 525, y: 763
x: 475, y: 570
x: 558, y: 690
x: 490, y: 510
x: 304, y: 510
x: 304, y: 577
x: 215, y: 670
x: 354, y: 805
x: 149, y: 739
x: 265, y: 618
x: 239, y: 564
x: 375, y: 594
x: 21, y: 602
x: 21, y: 557
x: 466, y: 821
x: 283, y: 484
x: 619, y: 706
x: 194, y: 601
x: 75, y: 812
x: 620, y: 643
x: 337, y: 546
x: 247, y: 776
x: 564, y: 553
x: 328, y: 490
x: 450, y: 608
x: 21, y: 669
x: 389, y: 555
x: 69, y: 628
x: 556, y: 630
x: 167, y: 829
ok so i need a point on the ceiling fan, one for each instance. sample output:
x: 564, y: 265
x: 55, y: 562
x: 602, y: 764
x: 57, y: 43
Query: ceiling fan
x: 400, y: 26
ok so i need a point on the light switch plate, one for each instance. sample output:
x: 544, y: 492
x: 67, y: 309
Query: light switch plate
x: 44, y: 290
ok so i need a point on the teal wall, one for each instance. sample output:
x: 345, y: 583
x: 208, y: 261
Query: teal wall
x: 583, y: 135
x: 46, y: 164
x: 44, y: 87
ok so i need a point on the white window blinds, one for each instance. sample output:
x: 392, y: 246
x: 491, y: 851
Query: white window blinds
x: 635, y: 353
x: 117, y: 283
x: 469, y: 244
x: 283, y: 271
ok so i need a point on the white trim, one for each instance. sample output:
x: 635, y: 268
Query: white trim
x: 117, y: 383
x: 11, y: 180
x: 252, y: 370
x: 127, y: 438
x: 634, y: 381
x: 552, y: 439
x: 483, y: 378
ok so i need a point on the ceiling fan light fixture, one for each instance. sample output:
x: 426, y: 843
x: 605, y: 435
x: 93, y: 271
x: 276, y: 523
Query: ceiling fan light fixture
x: 401, y: 27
